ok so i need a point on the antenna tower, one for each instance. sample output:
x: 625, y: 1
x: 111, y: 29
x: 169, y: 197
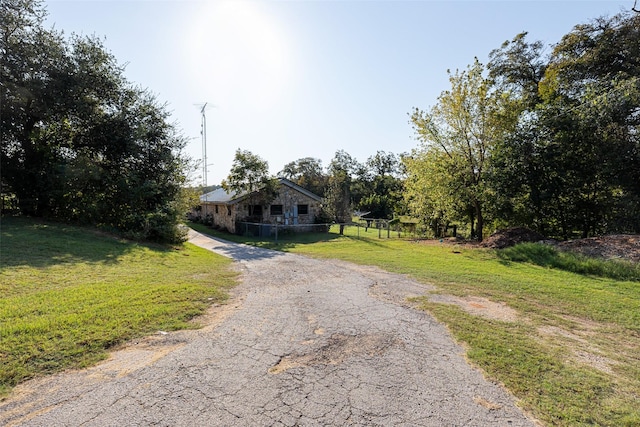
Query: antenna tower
x: 203, y: 134
x: 203, y: 131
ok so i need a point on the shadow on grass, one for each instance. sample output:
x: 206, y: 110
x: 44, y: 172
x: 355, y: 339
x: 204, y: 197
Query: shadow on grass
x: 371, y: 241
x: 234, y: 250
x: 550, y: 257
x: 36, y: 243
x: 285, y: 240
x: 289, y: 240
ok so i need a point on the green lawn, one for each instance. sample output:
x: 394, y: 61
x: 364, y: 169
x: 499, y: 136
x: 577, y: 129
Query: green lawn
x: 573, y: 355
x: 68, y: 294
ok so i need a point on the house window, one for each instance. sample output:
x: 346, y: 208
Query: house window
x: 303, y: 209
x: 276, y: 210
x: 229, y: 210
x: 255, y: 210
x: 216, y: 208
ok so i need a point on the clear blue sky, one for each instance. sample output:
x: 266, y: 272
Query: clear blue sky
x: 293, y: 79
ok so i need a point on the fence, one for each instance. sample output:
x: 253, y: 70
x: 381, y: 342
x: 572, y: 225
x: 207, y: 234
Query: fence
x: 253, y: 229
x: 371, y: 228
x: 382, y: 228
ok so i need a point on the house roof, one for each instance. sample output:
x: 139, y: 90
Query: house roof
x: 304, y: 191
x: 221, y: 196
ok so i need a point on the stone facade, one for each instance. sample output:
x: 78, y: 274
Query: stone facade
x: 220, y: 215
x: 293, y: 205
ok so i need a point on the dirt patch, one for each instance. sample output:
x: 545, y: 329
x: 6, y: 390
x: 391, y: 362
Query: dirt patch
x: 614, y: 246
x: 582, y: 351
x: 479, y: 307
x: 511, y: 237
x: 599, y: 362
x: 486, y: 403
x: 617, y: 246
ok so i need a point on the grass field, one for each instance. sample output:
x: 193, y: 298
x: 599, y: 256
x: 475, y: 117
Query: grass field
x: 573, y: 355
x: 68, y: 294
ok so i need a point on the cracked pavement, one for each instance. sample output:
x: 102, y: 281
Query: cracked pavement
x: 302, y: 342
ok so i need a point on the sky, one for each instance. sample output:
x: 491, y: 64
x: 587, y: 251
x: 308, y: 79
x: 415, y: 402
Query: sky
x: 292, y: 79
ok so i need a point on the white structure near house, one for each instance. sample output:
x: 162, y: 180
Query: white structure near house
x: 293, y: 205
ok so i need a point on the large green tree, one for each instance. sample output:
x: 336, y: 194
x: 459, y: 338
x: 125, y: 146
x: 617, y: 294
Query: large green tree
x: 572, y: 164
x: 460, y: 132
x: 249, y: 175
x: 338, y: 203
x: 594, y: 77
x: 307, y: 173
x: 519, y: 175
x: 80, y: 143
x: 381, y: 186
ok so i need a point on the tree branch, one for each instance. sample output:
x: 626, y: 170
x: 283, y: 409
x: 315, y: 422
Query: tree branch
x: 635, y: 6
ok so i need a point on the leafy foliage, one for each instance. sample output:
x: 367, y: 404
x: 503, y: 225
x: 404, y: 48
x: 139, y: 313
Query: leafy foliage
x: 307, y: 173
x: 250, y: 175
x: 573, y: 161
x: 382, y: 186
x: 338, y: 195
x: 547, y: 140
x: 458, y: 135
x: 80, y: 143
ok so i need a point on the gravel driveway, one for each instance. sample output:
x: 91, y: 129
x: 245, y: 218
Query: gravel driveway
x: 303, y: 342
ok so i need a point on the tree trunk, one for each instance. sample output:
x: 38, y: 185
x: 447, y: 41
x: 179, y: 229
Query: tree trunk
x: 341, y: 229
x: 480, y: 220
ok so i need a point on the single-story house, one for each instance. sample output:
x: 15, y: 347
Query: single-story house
x: 293, y: 205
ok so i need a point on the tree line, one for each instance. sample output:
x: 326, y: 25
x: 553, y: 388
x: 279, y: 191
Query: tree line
x: 374, y: 186
x: 545, y: 140
x: 546, y: 137
x: 79, y: 142
x: 541, y: 136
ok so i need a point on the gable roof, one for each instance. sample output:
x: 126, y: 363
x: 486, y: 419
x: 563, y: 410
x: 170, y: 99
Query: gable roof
x: 296, y: 187
x: 222, y: 197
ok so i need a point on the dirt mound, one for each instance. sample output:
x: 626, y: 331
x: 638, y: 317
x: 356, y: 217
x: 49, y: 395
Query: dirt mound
x: 511, y: 237
x: 618, y: 246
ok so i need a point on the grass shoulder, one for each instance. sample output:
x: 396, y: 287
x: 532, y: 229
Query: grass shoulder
x: 68, y: 294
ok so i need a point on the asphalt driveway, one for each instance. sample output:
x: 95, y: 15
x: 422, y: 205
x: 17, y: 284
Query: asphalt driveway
x: 303, y: 342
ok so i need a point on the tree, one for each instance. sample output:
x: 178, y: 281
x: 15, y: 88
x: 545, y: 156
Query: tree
x: 383, y: 164
x: 307, y: 173
x: 573, y: 161
x: 250, y: 175
x: 593, y: 78
x: 380, y: 185
x: 462, y: 129
x: 430, y: 189
x: 518, y: 67
x: 338, y: 194
x: 80, y: 143
x: 519, y: 174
